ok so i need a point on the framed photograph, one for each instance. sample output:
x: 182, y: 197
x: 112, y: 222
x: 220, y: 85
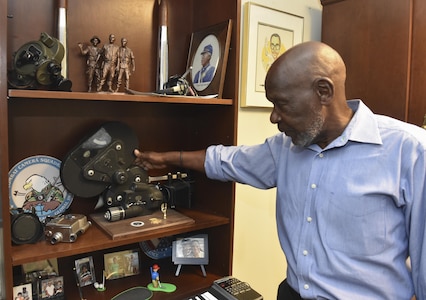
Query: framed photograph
x: 207, y: 59
x: 268, y: 33
x: 52, y: 288
x: 192, y: 250
x: 121, y: 264
x: 47, y: 267
x: 85, y: 271
x: 23, y: 292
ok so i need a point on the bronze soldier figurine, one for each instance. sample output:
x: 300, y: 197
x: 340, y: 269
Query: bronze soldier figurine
x: 109, y: 55
x: 92, y: 52
x: 126, y: 59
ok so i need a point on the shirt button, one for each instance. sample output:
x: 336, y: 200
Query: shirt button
x: 306, y: 286
x: 305, y: 252
x: 313, y: 186
x: 309, y: 219
x: 321, y: 155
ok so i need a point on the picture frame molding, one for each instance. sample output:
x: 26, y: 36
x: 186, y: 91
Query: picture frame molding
x: 259, y: 20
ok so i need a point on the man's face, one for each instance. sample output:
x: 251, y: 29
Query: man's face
x: 112, y: 38
x: 297, y: 113
x: 205, y: 58
x: 275, y: 45
x: 123, y: 42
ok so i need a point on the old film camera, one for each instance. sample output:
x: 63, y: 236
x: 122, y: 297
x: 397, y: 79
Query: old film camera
x: 103, y: 165
x: 66, y: 228
x: 26, y: 228
x: 38, y: 64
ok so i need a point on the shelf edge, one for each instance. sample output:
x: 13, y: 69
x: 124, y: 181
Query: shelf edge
x: 39, y: 94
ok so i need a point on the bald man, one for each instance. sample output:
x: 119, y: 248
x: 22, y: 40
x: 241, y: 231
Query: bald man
x: 351, y: 185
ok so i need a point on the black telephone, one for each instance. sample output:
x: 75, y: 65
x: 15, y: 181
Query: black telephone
x: 229, y: 288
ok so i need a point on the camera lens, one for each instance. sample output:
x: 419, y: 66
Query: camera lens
x: 56, y: 238
x: 73, y: 238
x: 114, y: 214
x: 119, y: 213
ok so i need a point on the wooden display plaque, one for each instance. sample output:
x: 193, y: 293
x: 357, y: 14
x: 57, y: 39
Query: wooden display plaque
x: 126, y: 227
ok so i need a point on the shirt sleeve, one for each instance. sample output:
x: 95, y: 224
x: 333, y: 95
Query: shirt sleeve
x: 254, y: 165
x: 415, y: 194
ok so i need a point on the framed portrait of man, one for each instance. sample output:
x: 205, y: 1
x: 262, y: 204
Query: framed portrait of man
x: 207, y: 59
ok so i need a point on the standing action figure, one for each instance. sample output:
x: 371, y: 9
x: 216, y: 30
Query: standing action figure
x: 125, y: 59
x: 155, y: 276
x: 92, y: 53
x: 109, y: 55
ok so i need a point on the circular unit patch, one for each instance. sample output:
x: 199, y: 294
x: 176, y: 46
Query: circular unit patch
x: 35, y: 186
x: 157, y: 248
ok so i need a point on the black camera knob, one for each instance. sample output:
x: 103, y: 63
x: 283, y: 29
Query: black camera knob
x: 120, y: 177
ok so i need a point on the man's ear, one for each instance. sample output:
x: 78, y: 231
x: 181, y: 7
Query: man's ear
x: 324, y: 88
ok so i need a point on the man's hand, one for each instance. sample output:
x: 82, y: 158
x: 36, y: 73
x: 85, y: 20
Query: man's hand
x: 150, y: 160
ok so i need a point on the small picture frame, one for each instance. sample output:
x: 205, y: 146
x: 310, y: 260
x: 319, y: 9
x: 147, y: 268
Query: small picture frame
x: 85, y: 271
x: 23, y: 292
x: 52, y: 288
x: 208, y: 57
x: 121, y: 264
x: 191, y: 250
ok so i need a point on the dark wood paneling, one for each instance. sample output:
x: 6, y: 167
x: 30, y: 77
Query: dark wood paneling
x: 374, y: 39
x: 417, y: 107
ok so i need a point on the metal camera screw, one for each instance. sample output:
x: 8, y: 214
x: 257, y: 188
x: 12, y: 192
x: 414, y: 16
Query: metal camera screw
x: 90, y: 172
x: 118, y: 147
x: 138, y: 179
x: 119, y: 198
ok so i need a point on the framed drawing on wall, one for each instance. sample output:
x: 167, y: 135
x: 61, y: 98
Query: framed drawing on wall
x: 208, y: 57
x: 268, y: 33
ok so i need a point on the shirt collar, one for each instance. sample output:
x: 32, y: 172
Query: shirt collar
x: 362, y: 128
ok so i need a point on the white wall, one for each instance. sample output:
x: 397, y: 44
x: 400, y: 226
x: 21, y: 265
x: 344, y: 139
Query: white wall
x: 258, y: 258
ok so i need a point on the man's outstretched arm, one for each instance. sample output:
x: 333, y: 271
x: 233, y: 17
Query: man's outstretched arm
x: 193, y: 160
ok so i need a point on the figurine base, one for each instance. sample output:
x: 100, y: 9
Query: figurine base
x: 165, y: 287
x: 136, y: 293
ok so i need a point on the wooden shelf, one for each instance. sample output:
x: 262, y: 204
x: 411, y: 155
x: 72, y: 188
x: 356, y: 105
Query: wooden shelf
x: 185, y: 286
x: 103, y: 96
x: 96, y: 239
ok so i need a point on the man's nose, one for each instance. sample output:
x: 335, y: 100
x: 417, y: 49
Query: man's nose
x: 274, y: 117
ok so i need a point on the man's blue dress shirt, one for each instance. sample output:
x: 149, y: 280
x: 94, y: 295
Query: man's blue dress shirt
x: 349, y: 215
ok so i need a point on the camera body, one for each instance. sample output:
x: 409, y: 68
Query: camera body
x: 178, y: 192
x: 66, y: 228
x: 38, y: 63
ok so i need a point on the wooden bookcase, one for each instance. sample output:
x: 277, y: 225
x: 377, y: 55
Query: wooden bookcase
x: 51, y: 123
